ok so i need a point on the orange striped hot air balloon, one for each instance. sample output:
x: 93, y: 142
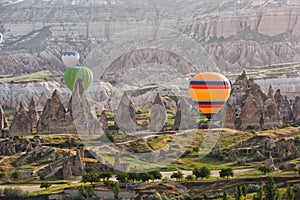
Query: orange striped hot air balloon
x: 210, y: 92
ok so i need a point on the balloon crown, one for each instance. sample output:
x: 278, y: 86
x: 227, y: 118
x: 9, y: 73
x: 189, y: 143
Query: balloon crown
x: 70, y: 53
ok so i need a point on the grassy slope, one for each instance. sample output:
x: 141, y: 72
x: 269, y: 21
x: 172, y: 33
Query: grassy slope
x: 34, y: 77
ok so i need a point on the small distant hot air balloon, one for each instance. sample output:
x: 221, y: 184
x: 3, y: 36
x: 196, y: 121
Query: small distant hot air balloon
x: 75, y: 73
x: 210, y: 92
x: 70, y: 58
x: 1, y: 38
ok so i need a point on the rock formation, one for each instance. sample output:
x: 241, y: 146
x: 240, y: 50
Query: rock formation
x: 158, y: 114
x: 270, y: 112
x: 3, y: 121
x: 284, y: 149
x: 21, y: 124
x: 296, y: 109
x: 251, y: 115
x: 15, y: 145
x: 67, y: 169
x: 230, y: 118
x: 284, y: 106
x: 250, y: 108
x: 33, y: 114
x: 177, y: 121
x: 125, y: 116
x: 77, y: 164
x: 86, y: 121
x: 270, y: 163
x: 53, y: 118
x: 103, y: 121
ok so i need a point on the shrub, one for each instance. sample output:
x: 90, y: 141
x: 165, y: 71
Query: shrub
x: 257, y: 157
x: 285, y: 126
x: 251, y: 188
x: 296, y: 188
x: 17, y: 193
x: 297, y: 139
x: 190, y: 177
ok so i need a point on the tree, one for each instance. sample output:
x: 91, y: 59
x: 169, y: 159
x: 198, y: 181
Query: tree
x: 90, y: 177
x: 105, y: 175
x: 259, y: 195
x: 45, y: 185
x: 271, y: 191
x: 244, y: 191
x: 156, y: 175
x: 225, y: 197
x: 122, y: 177
x: 2, y: 176
x: 90, y: 169
x: 190, y: 177
x: 202, y: 172
x: 290, y: 193
x: 134, y: 177
x: 264, y: 169
x: 116, y: 190
x: 226, y: 172
x: 177, y: 175
x: 146, y: 177
x: 238, y: 193
x: 16, y: 175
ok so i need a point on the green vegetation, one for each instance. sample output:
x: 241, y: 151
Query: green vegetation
x: 27, y: 78
x: 226, y: 172
x: 14, y: 193
x: 202, y: 172
x: 177, y: 175
x: 271, y: 191
x: 45, y: 185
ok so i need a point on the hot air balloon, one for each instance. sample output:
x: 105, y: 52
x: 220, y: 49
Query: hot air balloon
x: 210, y: 92
x: 1, y: 38
x: 75, y: 73
x: 70, y: 58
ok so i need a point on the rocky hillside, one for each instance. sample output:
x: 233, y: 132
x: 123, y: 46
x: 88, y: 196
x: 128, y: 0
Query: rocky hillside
x: 236, y: 35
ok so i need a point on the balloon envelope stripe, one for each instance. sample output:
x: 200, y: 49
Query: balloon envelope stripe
x: 194, y: 82
x: 210, y: 102
x: 209, y: 106
x: 207, y: 87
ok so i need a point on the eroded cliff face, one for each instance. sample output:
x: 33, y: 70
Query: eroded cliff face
x: 250, y: 37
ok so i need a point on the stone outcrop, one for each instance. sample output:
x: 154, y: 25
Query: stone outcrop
x: 125, y: 116
x: 270, y: 163
x: 284, y: 149
x: 26, y: 119
x: 33, y: 114
x: 15, y: 145
x: 103, y: 121
x: 86, y: 122
x: 230, y: 118
x: 284, y: 106
x: 53, y: 119
x: 239, y: 37
x: 177, y: 121
x: 67, y: 169
x: 271, y: 119
x: 21, y: 124
x: 251, y: 115
x: 77, y: 164
x: 73, y: 165
x: 296, y: 109
x: 250, y: 108
x: 158, y: 114
x: 3, y: 121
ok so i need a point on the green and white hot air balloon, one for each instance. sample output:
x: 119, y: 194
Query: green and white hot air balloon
x: 75, y: 73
